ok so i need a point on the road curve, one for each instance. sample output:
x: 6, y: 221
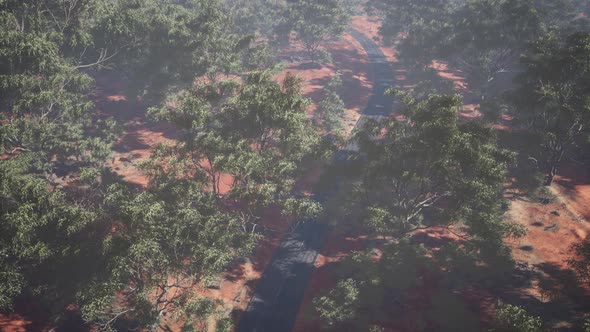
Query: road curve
x: 279, y: 292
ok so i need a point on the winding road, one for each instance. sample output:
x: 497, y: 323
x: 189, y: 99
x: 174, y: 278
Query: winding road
x: 279, y: 293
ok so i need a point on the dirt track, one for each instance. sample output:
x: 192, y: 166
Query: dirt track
x: 280, y: 291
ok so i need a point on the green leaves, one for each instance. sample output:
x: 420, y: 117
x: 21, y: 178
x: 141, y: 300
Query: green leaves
x: 429, y: 170
x: 339, y: 305
x: 510, y: 318
x: 551, y: 101
x: 482, y: 38
x: 45, y: 236
x: 317, y: 21
x: 255, y: 132
x: 168, y: 239
x: 331, y: 110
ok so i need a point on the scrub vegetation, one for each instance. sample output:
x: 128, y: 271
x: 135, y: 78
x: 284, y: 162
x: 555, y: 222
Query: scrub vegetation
x: 97, y: 252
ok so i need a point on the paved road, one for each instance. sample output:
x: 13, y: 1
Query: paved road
x: 279, y: 293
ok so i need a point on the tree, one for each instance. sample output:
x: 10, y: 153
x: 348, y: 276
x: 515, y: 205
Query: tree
x: 510, y: 318
x: 551, y: 100
x: 427, y: 171
x: 580, y: 261
x: 409, y: 17
x: 339, y: 305
x: 88, y: 239
x: 331, y: 109
x: 166, y: 43
x: 483, y: 38
x: 421, y: 26
x: 168, y: 239
x: 489, y: 36
x: 45, y: 108
x: 47, y: 238
x: 430, y: 171
x: 317, y: 21
x: 51, y: 228
x: 256, y: 132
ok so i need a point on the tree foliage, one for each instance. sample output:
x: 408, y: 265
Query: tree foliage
x: 169, y: 238
x: 71, y: 232
x: 314, y: 22
x: 551, y: 100
x: 331, y: 110
x: 426, y: 171
x: 510, y: 318
x: 431, y: 171
x: 256, y: 133
x: 482, y: 38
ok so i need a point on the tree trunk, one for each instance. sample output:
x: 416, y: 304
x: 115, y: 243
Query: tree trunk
x: 311, y: 55
x: 554, y: 165
x: 550, y: 176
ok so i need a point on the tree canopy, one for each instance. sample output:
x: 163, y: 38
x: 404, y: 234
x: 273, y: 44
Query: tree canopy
x: 551, y: 100
x: 316, y: 21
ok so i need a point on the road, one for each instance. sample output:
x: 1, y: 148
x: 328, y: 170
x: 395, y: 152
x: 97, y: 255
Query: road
x: 279, y: 293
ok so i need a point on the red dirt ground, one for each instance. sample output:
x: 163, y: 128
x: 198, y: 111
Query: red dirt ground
x: 349, y: 59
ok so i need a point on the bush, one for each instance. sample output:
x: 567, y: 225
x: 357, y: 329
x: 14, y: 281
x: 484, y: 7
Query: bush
x: 510, y: 318
x: 339, y: 305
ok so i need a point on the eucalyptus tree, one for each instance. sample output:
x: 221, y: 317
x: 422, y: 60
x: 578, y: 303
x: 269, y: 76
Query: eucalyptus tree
x: 425, y: 172
x: 167, y: 240
x: 45, y: 108
x: 483, y: 38
x: 551, y: 100
x: 510, y: 318
x: 255, y: 133
x: 50, y: 243
x: 431, y: 171
x: 488, y: 38
x: 331, y: 110
x: 315, y: 22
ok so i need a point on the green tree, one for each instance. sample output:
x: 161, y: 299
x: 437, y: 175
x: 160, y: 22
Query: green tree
x: 580, y: 261
x: 489, y: 36
x: 256, y: 132
x: 331, y: 109
x: 482, y: 38
x: 510, y: 318
x: 317, y: 21
x: 88, y: 239
x: 50, y: 239
x: 168, y: 239
x: 44, y: 104
x: 551, y: 100
x: 427, y: 171
x: 166, y: 44
x: 339, y: 305
x: 427, y: 162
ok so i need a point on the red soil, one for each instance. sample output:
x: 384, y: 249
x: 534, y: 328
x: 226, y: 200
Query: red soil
x: 18, y: 323
x: 573, y: 184
x: 349, y: 59
x: 26, y: 317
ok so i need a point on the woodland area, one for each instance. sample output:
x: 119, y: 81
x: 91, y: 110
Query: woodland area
x: 95, y: 237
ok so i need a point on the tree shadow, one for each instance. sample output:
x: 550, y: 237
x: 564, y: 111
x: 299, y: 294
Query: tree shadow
x: 129, y: 142
x: 562, y: 301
